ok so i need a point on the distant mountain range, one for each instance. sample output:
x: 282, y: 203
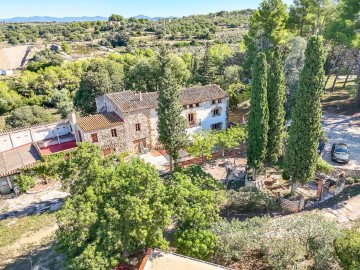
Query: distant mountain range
x: 68, y: 19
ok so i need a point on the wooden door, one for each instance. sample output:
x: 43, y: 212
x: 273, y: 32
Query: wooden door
x: 139, y: 145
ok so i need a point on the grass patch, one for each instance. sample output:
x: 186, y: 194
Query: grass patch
x: 13, y: 229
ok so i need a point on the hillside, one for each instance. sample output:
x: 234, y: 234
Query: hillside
x: 224, y: 26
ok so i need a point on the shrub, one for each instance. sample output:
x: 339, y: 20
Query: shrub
x: 250, y: 199
x: 198, y: 243
x: 285, y: 243
x: 349, y: 181
x: 347, y: 249
x: 24, y: 182
x: 323, y: 167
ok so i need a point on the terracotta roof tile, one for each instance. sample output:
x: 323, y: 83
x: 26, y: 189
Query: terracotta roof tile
x: 99, y: 121
x: 129, y: 101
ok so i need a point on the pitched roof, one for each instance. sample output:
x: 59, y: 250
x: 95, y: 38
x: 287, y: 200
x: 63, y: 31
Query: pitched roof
x: 129, y: 101
x: 99, y: 121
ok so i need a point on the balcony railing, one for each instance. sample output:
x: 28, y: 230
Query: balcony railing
x: 194, y: 123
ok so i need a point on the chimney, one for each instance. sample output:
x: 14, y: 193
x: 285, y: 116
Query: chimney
x: 140, y: 96
x: 72, y: 118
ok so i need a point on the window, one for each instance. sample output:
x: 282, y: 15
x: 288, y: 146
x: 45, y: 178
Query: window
x: 114, y: 132
x: 219, y: 100
x: 94, y: 137
x: 185, y: 107
x: 137, y: 127
x: 191, y: 119
x: 214, y: 101
x: 197, y: 104
x: 191, y: 106
x: 217, y: 126
x: 216, y: 112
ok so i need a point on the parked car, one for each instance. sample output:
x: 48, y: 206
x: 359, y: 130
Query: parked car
x: 340, y: 153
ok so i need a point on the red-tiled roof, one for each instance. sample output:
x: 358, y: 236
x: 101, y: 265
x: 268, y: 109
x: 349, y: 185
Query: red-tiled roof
x: 99, y: 121
x: 128, y: 101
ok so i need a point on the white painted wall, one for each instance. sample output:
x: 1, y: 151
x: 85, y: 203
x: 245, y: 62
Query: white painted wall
x: 49, y: 132
x: 21, y: 137
x: 203, y: 114
x: 13, y: 139
x: 5, y: 143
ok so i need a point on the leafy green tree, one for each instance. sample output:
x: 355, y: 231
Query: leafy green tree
x: 230, y: 138
x: 276, y: 103
x: 293, y: 66
x: 344, y: 30
x: 202, y: 145
x: 258, y: 125
x: 219, y: 52
x: 9, y: 99
x: 27, y: 116
x: 267, y: 29
x: 308, y: 17
x: 304, y: 133
x: 116, y: 18
x: 192, y: 189
x: 115, y: 208
x: 232, y: 74
x: 238, y: 93
x: 171, y: 124
x: 100, y: 77
x: 207, y: 69
x: 43, y: 59
x: 347, y: 248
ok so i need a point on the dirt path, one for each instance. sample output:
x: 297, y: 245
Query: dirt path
x: 33, y: 239
x: 345, y: 129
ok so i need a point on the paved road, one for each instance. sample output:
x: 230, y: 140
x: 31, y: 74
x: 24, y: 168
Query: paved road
x: 346, y: 129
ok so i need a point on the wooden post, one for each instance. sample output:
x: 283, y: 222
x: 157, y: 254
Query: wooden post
x: 320, y: 188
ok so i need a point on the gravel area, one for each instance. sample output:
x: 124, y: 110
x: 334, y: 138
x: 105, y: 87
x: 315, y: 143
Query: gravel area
x: 346, y: 129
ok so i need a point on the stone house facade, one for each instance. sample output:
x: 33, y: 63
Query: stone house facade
x: 133, y: 117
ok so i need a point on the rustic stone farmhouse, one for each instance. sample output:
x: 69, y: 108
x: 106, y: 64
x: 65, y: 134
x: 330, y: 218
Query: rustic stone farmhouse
x: 127, y: 121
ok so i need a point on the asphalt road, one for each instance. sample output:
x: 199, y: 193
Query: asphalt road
x: 345, y: 129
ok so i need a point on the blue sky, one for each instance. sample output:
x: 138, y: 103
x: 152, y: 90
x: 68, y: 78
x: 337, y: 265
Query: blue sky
x: 127, y: 8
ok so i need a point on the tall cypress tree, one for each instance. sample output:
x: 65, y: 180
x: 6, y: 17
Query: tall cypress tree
x: 304, y: 133
x: 276, y: 103
x: 258, y: 125
x: 171, y: 124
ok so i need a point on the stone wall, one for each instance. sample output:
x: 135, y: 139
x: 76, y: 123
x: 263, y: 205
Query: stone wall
x: 105, y: 139
x: 138, y: 117
x: 292, y: 206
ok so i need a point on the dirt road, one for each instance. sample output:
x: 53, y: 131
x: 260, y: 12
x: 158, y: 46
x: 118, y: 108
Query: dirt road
x: 346, y: 129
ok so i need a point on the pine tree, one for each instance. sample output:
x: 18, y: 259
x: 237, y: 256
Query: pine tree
x: 258, y: 125
x: 276, y: 102
x: 207, y: 69
x: 171, y: 124
x: 301, y: 152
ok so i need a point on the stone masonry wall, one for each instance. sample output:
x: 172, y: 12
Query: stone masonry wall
x: 105, y: 138
x: 142, y: 118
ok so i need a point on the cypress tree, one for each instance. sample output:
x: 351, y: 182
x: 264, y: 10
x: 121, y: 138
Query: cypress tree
x: 171, y: 124
x: 304, y: 133
x: 276, y: 102
x: 258, y: 125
